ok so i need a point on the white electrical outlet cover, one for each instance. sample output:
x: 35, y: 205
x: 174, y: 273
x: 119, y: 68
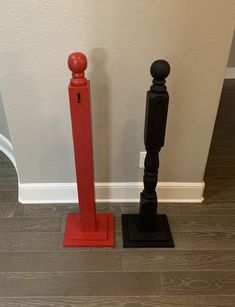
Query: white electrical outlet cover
x: 142, y: 157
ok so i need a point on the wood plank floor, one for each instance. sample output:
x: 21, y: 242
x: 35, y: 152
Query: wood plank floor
x: 35, y: 269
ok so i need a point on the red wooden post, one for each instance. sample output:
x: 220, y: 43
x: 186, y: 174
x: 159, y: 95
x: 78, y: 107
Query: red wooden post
x: 79, y: 96
x: 85, y: 228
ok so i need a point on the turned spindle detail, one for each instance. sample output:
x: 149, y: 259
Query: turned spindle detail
x: 77, y: 63
x: 149, y: 229
x: 155, y: 125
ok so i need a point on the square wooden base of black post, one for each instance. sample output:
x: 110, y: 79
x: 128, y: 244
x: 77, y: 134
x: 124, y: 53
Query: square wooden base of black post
x: 133, y: 237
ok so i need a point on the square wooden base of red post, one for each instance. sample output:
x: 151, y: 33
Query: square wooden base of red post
x: 102, y: 237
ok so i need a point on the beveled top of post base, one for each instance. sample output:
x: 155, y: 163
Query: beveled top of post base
x: 77, y: 63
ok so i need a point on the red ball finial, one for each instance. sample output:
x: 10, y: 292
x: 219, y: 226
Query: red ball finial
x: 77, y: 63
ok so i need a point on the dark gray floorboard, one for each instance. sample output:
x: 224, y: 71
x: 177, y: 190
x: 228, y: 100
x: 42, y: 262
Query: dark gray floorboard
x: 60, y: 210
x: 178, y: 260
x: 117, y: 283
x: 193, y: 283
x: 7, y: 209
x: 223, y: 151
x: 31, y: 241
x: 8, y: 186
x: 79, y: 283
x: 114, y: 260
x: 3, y: 157
x: 202, y: 223
x: 204, y: 240
x: 121, y: 301
x: 51, y: 241
x: 56, y: 210
x: 221, y: 171
x: 67, y: 260
x: 6, y: 164
x: 8, y: 183
x: 8, y: 172
x: 221, y: 161
x: 31, y: 224
x: 8, y: 196
x: 206, y: 208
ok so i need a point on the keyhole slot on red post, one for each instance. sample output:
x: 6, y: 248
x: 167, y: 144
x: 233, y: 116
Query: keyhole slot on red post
x: 86, y: 228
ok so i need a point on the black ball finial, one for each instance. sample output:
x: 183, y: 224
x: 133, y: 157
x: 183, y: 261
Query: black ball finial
x: 160, y: 69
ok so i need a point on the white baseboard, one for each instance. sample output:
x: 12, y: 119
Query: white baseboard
x: 7, y: 149
x: 230, y: 73
x: 174, y: 192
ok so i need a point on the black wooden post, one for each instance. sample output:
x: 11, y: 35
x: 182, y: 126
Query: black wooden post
x: 149, y: 229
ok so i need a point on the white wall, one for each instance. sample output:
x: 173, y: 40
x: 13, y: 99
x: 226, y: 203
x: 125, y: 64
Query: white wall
x: 121, y: 39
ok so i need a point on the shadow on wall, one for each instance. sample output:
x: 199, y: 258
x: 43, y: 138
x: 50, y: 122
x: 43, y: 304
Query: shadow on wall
x: 129, y: 137
x: 51, y: 149
x: 100, y: 105
x: 22, y: 119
